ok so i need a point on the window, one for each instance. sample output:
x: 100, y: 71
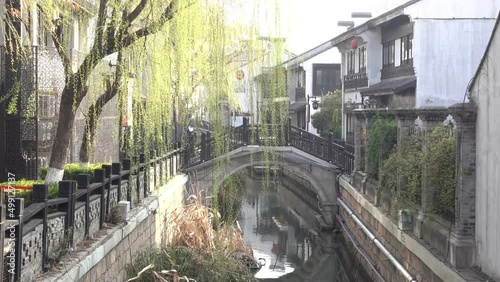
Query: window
x: 407, y: 49
x: 350, y: 62
x: 326, y: 78
x: 388, y: 54
x: 362, y: 59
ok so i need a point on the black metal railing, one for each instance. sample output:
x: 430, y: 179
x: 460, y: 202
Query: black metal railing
x: 37, y: 234
x: 334, y: 151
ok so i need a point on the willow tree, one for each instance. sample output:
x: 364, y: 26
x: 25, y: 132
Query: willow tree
x: 118, y: 24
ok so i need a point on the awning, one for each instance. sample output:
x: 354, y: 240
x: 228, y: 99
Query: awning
x: 391, y: 86
x: 297, y: 106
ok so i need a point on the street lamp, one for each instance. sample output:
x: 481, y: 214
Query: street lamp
x: 315, y: 102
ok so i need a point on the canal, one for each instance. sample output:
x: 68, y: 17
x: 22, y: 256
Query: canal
x: 280, y: 227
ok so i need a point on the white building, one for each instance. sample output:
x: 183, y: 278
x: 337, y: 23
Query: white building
x: 420, y: 54
x: 485, y: 92
x: 310, y: 80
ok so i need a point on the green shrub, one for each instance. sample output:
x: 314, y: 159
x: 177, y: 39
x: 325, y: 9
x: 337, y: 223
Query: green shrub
x: 401, y: 174
x: 439, y: 156
x: 26, y: 194
x: 381, y: 138
x: 72, y: 170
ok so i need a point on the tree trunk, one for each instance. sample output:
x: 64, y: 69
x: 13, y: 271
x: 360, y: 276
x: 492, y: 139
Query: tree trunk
x: 62, y: 139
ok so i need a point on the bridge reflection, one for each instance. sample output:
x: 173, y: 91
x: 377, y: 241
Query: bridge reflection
x: 276, y: 232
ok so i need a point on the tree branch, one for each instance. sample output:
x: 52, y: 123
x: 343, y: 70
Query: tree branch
x: 56, y: 35
x: 136, y: 12
x: 101, y: 21
x: 167, y: 15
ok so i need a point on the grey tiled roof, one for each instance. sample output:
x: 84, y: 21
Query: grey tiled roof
x: 391, y: 86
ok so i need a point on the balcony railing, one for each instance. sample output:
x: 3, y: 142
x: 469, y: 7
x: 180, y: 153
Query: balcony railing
x: 300, y: 94
x: 402, y: 70
x: 355, y: 80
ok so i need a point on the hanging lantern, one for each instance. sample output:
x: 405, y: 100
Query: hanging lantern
x: 315, y: 104
x: 354, y: 44
x: 240, y: 74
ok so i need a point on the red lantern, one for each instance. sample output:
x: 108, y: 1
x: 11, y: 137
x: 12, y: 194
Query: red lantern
x: 240, y: 74
x: 354, y: 44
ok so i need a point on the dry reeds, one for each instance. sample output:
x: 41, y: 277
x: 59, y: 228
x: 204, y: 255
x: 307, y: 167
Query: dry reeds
x: 195, y: 226
x: 200, y: 248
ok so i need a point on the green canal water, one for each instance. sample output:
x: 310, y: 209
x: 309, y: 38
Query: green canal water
x: 281, y: 230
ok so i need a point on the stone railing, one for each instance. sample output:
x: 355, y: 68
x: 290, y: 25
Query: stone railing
x: 433, y: 228
x: 37, y: 235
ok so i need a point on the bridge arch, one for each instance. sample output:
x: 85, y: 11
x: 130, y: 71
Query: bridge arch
x: 319, y: 173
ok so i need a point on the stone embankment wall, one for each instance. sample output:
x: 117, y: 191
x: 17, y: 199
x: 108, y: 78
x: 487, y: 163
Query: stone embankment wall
x: 409, y: 251
x: 107, y: 257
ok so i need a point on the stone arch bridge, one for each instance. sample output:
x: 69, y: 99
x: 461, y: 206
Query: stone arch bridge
x: 300, y: 153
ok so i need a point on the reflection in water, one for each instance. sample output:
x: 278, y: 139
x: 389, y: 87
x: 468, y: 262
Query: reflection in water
x: 275, y: 232
x: 280, y: 228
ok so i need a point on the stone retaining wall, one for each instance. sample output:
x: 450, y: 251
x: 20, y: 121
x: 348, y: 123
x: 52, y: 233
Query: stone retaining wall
x: 106, y: 259
x: 409, y: 251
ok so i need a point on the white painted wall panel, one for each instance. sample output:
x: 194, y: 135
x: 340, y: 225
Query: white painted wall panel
x: 397, y: 52
x: 486, y: 93
x: 373, y: 54
x: 446, y: 55
x: 454, y: 9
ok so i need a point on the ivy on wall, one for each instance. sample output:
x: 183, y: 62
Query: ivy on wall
x: 439, y: 157
x: 401, y: 175
x: 381, y: 138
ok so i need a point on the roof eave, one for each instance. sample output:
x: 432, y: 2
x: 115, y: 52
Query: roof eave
x: 485, y: 55
x: 387, y: 16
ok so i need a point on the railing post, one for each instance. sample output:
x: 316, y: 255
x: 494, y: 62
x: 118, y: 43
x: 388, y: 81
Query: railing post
x: 245, y: 132
x: 67, y: 189
x: 3, y: 211
x: 83, y: 184
x: 100, y: 176
x: 288, y: 131
x: 171, y: 160
x: 107, y: 185
x: 208, y: 146
x: 331, y: 156
x: 177, y: 158
x: 40, y: 195
x: 15, y: 210
x: 126, y: 166
x: 203, y: 154
x: 152, y: 164
x: 116, y: 170
x: 142, y: 159
x: 2, y: 232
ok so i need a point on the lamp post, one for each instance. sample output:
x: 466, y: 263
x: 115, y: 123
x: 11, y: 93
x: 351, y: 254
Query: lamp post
x: 315, y: 106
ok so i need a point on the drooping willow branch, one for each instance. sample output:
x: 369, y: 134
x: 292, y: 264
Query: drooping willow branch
x: 95, y: 110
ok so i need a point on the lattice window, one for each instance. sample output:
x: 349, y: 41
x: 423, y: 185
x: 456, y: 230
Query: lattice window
x: 46, y: 106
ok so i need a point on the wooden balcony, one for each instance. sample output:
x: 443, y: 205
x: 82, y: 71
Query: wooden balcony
x: 402, y: 70
x: 355, y: 80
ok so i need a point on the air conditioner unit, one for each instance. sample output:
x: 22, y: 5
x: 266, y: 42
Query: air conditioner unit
x: 404, y: 220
